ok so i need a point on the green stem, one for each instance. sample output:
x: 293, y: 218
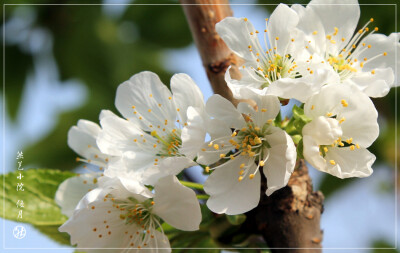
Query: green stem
x: 202, y: 196
x: 192, y: 185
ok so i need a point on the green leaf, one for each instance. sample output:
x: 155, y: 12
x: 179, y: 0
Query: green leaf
x: 40, y: 186
x: 236, y: 219
x: 53, y: 233
x: 299, y: 118
x: 299, y: 149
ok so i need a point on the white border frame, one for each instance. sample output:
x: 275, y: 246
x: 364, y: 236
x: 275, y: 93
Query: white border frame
x: 75, y: 248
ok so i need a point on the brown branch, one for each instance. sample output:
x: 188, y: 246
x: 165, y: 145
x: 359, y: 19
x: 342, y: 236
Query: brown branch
x: 215, y: 55
x: 290, y: 218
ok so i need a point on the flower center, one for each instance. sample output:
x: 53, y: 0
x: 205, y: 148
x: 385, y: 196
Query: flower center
x: 345, y: 62
x: 170, y: 143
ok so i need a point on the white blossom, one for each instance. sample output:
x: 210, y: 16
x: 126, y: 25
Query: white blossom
x: 283, y: 62
x: 123, y: 215
x: 150, y: 137
x: 246, y: 145
x: 343, y: 124
x: 363, y: 58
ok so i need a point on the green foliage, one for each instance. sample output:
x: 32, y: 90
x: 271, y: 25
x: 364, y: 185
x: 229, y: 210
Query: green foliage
x: 382, y: 245
x: 53, y: 233
x: 236, y: 219
x: 40, y: 186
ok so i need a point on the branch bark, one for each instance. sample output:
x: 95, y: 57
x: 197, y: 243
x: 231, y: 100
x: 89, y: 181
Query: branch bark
x: 202, y: 15
x: 289, y: 218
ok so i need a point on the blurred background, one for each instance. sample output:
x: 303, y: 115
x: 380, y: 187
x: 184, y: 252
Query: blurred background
x: 64, y: 62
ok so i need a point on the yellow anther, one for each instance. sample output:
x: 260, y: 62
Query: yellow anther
x: 384, y: 53
x: 371, y: 20
x: 152, y: 202
x: 352, y: 147
x: 342, y: 120
x: 376, y: 29
x: 133, y: 107
x: 216, y: 146
x: 155, y: 145
x: 257, y: 140
x: 358, y: 146
x: 315, y: 32
x: 336, y: 30
x: 325, y: 149
x: 333, y: 41
x: 232, y: 157
x: 344, y: 103
x: 210, y: 144
x: 251, y: 176
x: 207, y: 169
x: 332, y: 162
x: 257, y: 31
x: 349, y: 141
x: 292, y: 40
x: 151, y: 95
x: 360, y: 31
x: 329, y: 114
x: 251, y: 154
x: 312, y: 107
x: 277, y: 38
x: 241, y: 172
x: 361, y: 64
x: 149, y: 110
x: 373, y: 72
x: 242, y: 165
x: 261, y: 163
x: 240, y: 178
x: 243, y: 129
x: 343, y: 39
x: 221, y: 155
x: 245, y: 19
x: 177, y: 109
x: 266, y: 19
x: 169, y: 98
x: 369, y: 46
x: 257, y: 128
x: 251, y: 33
x: 233, y: 134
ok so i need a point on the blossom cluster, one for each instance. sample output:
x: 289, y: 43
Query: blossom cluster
x: 309, y: 55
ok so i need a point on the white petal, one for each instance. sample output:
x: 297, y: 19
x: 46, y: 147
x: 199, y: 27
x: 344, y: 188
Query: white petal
x: 227, y: 194
x: 268, y: 102
x: 307, y: 85
x: 350, y: 163
x: 281, y: 22
x: 236, y: 34
x: 193, y: 134
x: 168, y: 166
x: 379, y: 44
x: 82, y: 139
x: 176, y: 204
x: 186, y: 93
x: 374, y: 85
x: 208, y: 154
x: 160, y: 244
x: 118, y: 135
x: 87, y: 224
x: 72, y: 190
x: 249, y: 79
x: 151, y: 100
x: 281, y: 161
x: 343, y: 14
x: 220, y: 108
x: 106, y: 113
x: 311, y: 153
x: 323, y: 130
x: 309, y: 23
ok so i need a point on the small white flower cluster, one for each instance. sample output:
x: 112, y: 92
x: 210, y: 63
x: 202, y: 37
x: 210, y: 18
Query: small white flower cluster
x: 312, y: 54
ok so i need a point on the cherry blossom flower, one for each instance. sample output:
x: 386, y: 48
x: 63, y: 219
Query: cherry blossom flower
x: 82, y: 139
x: 343, y: 124
x: 150, y: 137
x: 363, y: 58
x: 245, y: 145
x: 283, y: 62
x: 123, y: 215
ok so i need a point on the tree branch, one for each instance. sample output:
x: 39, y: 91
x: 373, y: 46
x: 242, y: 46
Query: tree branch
x: 289, y: 218
x: 215, y: 55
